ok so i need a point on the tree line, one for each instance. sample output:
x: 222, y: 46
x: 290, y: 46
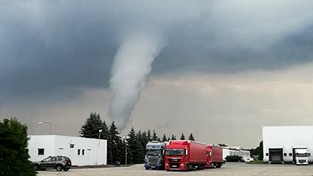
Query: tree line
x: 128, y: 149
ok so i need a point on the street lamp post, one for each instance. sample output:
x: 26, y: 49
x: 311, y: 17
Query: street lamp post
x: 49, y: 123
x: 125, y: 141
x: 99, y: 135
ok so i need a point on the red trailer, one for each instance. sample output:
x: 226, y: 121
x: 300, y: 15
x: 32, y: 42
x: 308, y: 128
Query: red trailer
x: 214, y: 157
x: 185, y: 155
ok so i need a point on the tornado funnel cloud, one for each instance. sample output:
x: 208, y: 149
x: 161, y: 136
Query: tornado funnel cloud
x: 131, y: 67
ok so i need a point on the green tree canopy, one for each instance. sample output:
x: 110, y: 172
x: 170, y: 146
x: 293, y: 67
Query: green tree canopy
x: 135, y: 147
x: 149, y: 135
x: 182, y: 137
x: 154, y: 136
x: 94, y: 127
x: 144, y: 139
x: 164, y: 138
x: 115, y: 152
x: 13, y: 149
x: 131, y: 145
x: 191, y: 137
x: 173, y: 137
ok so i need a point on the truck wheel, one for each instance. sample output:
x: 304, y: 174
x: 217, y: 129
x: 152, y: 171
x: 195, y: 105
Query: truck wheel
x: 59, y: 168
x: 201, y: 167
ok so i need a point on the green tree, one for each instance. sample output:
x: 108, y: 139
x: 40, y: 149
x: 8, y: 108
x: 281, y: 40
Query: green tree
x: 173, y: 137
x: 135, y: 148
x: 139, y: 150
x: 143, y: 142
x: 149, y: 135
x: 191, y: 137
x: 154, y: 136
x: 144, y: 139
x: 164, y: 138
x: 92, y: 126
x: 258, y: 151
x: 115, y: 151
x: 105, y: 131
x: 131, y: 145
x: 13, y: 149
x: 182, y: 137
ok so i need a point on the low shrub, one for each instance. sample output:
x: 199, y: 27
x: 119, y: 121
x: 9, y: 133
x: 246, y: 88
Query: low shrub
x: 234, y: 158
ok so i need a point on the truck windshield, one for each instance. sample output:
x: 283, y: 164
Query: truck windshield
x: 301, y: 154
x: 153, y: 152
x: 175, y: 152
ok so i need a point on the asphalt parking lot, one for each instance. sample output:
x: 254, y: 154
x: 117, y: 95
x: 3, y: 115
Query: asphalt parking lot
x: 229, y: 169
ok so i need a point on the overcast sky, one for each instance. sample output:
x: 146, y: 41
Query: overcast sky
x: 218, y: 69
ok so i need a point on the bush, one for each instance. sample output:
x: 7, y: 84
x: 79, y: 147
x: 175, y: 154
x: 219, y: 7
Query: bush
x: 234, y: 158
x: 13, y: 149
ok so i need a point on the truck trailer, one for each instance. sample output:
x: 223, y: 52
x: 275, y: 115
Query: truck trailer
x: 154, y: 158
x: 214, y: 156
x: 185, y: 155
x: 288, y: 144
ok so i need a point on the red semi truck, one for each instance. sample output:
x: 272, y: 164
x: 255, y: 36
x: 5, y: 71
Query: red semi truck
x: 185, y: 155
x: 214, y: 156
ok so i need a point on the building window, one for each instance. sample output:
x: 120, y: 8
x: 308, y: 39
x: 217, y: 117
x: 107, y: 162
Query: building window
x: 83, y: 151
x: 266, y: 154
x: 78, y: 152
x: 71, y: 145
x: 290, y: 154
x: 41, y: 151
x: 285, y: 154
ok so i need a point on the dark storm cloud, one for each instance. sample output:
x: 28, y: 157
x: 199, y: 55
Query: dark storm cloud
x: 291, y: 50
x: 51, y: 45
x: 54, y: 45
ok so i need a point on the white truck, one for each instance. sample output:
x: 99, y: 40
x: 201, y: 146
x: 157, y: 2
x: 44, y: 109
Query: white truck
x: 301, y: 156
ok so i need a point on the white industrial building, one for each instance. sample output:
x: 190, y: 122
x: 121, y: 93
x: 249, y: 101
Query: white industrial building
x: 281, y: 142
x: 236, y: 151
x: 82, y: 151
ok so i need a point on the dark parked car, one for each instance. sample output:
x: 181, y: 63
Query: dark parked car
x: 57, y: 162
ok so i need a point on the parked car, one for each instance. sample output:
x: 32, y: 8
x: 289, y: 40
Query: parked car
x: 248, y: 160
x: 57, y: 162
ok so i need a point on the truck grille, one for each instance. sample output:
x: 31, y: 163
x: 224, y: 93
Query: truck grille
x: 174, y: 166
x: 302, y: 161
x: 174, y: 159
x: 153, y: 161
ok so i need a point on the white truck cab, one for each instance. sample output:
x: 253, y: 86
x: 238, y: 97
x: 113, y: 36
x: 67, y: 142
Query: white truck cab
x: 301, y: 156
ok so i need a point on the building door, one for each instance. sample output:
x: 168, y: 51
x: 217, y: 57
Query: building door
x: 276, y: 155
